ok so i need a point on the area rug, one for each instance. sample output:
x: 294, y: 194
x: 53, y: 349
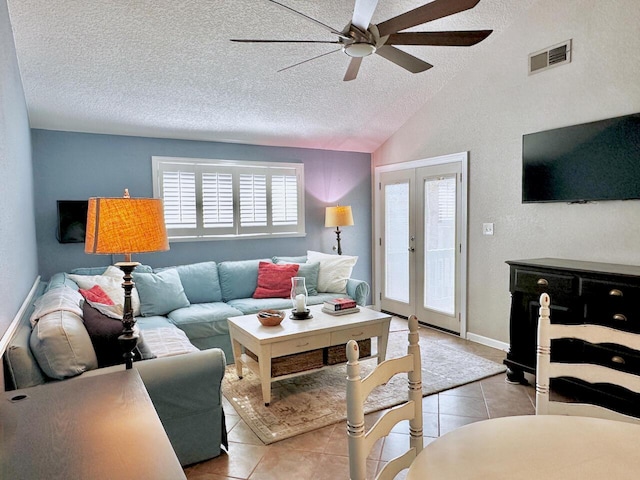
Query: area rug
x: 308, y: 402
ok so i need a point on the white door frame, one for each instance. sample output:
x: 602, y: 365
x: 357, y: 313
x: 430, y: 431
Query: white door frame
x: 463, y: 159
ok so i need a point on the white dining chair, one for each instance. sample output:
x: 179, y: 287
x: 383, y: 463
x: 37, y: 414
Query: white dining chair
x: 358, y: 389
x: 546, y: 369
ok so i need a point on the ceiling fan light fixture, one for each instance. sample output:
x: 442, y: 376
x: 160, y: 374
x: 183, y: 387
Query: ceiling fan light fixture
x: 359, y: 50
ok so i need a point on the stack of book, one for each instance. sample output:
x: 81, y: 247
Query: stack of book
x: 340, y: 306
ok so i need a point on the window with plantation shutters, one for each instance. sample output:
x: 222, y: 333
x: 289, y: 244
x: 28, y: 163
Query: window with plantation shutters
x: 216, y: 199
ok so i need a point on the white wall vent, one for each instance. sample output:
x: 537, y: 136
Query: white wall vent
x: 549, y: 57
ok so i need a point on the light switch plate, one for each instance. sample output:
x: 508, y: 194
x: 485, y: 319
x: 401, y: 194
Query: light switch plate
x: 487, y: 228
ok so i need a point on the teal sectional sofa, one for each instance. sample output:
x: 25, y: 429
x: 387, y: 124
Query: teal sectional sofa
x: 185, y: 305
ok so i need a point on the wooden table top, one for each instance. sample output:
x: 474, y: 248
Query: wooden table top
x: 91, y: 427
x: 320, y: 322
x: 553, y: 447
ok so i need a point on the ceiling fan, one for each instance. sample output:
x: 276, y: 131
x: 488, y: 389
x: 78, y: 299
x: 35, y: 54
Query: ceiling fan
x: 360, y: 39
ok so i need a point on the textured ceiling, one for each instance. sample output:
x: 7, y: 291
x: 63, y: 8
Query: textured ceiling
x: 163, y: 68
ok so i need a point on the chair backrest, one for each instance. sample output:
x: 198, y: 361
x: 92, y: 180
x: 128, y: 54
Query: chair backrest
x: 547, y: 370
x: 358, y: 389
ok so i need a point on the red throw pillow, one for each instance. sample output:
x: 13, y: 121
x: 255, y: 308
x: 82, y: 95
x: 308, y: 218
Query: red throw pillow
x: 96, y: 295
x: 274, y: 281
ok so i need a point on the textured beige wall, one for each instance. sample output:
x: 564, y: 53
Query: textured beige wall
x: 487, y: 108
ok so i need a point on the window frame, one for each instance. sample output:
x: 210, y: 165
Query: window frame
x: 236, y: 167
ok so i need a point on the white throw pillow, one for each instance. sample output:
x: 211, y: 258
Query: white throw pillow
x: 111, y: 282
x: 334, y: 272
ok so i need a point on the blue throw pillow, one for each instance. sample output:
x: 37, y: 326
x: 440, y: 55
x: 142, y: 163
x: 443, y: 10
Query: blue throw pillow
x: 200, y: 282
x: 239, y: 279
x: 310, y: 273
x: 160, y: 293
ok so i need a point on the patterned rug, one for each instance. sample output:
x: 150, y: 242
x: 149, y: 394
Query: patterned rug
x: 308, y: 402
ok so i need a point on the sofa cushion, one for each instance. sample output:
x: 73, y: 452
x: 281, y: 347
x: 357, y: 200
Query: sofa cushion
x: 168, y: 341
x: 101, y: 270
x: 238, y: 279
x: 274, y: 281
x: 160, y: 293
x: 334, y: 272
x: 298, y: 259
x: 62, y: 346
x: 200, y: 281
x: 111, y: 282
x: 254, y: 305
x: 310, y: 273
x: 202, y: 320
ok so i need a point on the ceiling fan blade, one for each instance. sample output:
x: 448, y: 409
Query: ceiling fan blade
x: 426, y: 13
x: 362, y: 13
x: 352, y: 69
x: 242, y: 40
x: 403, y: 59
x: 317, y: 22
x: 440, y: 39
x: 309, y: 59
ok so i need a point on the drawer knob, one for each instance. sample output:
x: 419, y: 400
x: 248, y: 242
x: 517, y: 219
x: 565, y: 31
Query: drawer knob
x: 615, y: 292
x: 618, y: 359
x: 620, y: 317
x: 543, y: 282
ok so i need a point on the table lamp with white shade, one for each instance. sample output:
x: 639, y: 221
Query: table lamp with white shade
x: 338, y: 216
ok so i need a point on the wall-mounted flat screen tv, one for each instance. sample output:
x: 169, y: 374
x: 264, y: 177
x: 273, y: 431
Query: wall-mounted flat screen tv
x: 582, y: 163
x: 72, y: 220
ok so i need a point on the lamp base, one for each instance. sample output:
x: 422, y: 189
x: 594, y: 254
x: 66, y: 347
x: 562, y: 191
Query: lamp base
x: 338, y: 239
x: 129, y: 338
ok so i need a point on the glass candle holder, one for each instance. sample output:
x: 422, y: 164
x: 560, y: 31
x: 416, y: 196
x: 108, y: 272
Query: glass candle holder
x: 299, y: 295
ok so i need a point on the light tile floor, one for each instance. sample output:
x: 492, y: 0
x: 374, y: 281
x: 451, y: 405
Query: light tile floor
x: 322, y: 454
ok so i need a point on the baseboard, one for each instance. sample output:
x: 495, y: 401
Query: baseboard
x: 489, y: 342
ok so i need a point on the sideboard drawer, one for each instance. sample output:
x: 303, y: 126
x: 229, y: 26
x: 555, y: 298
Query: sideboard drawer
x: 356, y: 333
x: 298, y: 345
x: 608, y: 291
x: 531, y: 281
x: 612, y: 304
x: 612, y: 356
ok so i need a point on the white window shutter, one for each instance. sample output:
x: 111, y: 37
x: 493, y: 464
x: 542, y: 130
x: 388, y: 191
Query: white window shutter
x: 179, y: 194
x: 253, y: 200
x: 284, y: 199
x: 217, y: 200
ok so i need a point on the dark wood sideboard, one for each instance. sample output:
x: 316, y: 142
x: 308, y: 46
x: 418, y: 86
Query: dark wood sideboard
x: 581, y: 292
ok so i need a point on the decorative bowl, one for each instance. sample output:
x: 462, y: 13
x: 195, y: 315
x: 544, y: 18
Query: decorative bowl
x: 270, y: 318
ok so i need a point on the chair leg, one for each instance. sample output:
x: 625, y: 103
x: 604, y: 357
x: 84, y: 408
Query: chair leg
x: 355, y: 415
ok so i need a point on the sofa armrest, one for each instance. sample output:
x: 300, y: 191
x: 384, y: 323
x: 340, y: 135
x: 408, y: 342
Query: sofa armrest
x: 186, y: 393
x: 358, y: 290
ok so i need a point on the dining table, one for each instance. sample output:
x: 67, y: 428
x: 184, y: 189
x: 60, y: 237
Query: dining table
x: 550, y: 447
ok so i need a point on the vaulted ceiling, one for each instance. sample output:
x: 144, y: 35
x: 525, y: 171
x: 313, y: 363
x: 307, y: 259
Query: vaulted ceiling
x: 168, y: 69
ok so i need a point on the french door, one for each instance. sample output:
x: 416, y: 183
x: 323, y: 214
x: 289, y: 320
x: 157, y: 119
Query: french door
x: 422, y: 240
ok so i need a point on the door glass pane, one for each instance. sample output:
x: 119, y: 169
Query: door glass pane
x: 440, y: 244
x: 396, y: 242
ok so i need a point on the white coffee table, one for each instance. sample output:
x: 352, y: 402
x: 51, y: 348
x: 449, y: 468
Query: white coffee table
x: 297, y: 336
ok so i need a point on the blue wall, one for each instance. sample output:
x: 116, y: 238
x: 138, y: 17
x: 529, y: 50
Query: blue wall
x: 76, y: 166
x: 18, y: 252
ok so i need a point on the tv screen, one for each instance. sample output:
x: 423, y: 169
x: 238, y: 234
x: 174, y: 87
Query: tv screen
x: 593, y: 161
x: 72, y: 220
